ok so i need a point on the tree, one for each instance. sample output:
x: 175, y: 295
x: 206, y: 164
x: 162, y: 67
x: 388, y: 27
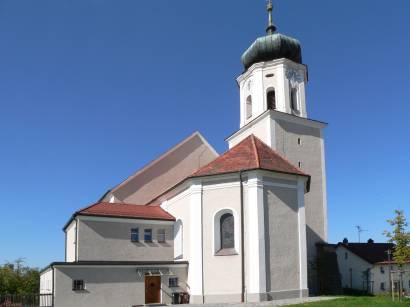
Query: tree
x: 16, y: 278
x: 400, y: 237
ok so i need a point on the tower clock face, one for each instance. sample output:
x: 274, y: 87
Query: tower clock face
x: 294, y: 76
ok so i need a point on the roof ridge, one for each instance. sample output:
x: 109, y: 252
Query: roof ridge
x: 161, y: 156
x: 281, y: 156
x: 255, y: 149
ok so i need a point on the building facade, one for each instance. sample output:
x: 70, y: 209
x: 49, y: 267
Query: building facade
x: 208, y: 228
x: 367, y: 267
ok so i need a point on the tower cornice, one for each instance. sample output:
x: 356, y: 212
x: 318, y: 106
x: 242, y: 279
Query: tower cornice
x: 262, y: 65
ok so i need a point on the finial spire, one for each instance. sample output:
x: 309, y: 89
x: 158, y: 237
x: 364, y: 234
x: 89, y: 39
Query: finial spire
x: 271, y: 27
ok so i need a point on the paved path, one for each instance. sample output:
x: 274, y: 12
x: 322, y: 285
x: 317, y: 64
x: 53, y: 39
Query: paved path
x: 291, y: 301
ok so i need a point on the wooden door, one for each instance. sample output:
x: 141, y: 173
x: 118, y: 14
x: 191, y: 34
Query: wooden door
x: 152, y: 289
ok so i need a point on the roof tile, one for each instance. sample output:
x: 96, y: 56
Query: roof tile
x: 250, y: 153
x: 126, y: 210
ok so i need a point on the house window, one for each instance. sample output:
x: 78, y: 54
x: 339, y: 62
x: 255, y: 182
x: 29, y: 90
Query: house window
x: 271, y: 99
x: 78, y: 285
x: 346, y: 255
x: 382, y: 287
x: 249, y: 107
x: 135, y: 235
x: 227, y: 231
x: 173, y: 282
x: 299, y: 141
x: 161, y: 235
x: 382, y: 270
x: 148, y: 235
x: 294, y: 99
x: 300, y: 164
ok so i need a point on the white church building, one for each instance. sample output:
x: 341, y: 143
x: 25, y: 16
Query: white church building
x: 201, y: 227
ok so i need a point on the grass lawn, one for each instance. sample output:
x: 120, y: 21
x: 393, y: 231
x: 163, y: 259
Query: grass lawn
x: 359, y: 301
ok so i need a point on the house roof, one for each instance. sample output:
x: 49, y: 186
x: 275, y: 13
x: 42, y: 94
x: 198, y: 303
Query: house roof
x: 371, y: 252
x: 126, y: 210
x: 164, y: 172
x: 251, y: 153
x: 104, y: 209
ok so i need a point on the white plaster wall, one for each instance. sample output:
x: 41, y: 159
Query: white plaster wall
x: 377, y: 277
x: 273, y: 74
x: 105, y: 286
x: 186, y: 206
x: 222, y: 274
x: 46, y: 282
x: 71, y: 234
x: 282, y: 238
x: 262, y: 128
x: 179, y: 207
x: 109, y: 239
x: 357, y: 264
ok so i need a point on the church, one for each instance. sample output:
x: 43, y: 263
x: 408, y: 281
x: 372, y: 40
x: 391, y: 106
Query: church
x: 201, y: 227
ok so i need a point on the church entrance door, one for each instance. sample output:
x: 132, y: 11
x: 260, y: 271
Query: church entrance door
x: 152, y: 289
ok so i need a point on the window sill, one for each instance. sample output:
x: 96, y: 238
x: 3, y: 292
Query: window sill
x: 226, y: 252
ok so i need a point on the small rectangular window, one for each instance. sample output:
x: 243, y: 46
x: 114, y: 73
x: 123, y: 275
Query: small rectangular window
x: 135, y: 235
x: 148, y: 235
x: 346, y: 255
x: 300, y: 164
x: 382, y: 286
x: 382, y: 270
x: 299, y: 142
x: 78, y: 285
x: 173, y: 282
x: 161, y: 235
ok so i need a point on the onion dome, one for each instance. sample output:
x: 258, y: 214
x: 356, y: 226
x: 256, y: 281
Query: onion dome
x: 272, y: 46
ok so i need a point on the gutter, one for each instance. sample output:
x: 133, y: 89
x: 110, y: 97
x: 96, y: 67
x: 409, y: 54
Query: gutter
x: 242, y: 240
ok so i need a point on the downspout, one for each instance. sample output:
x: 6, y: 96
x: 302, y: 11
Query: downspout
x: 53, y: 287
x: 202, y: 245
x: 242, y: 239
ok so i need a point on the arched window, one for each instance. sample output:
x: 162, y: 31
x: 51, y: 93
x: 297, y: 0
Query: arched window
x: 249, y: 107
x: 294, y: 99
x: 178, y: 240
x: 227, y: 230
x: 271, y: 99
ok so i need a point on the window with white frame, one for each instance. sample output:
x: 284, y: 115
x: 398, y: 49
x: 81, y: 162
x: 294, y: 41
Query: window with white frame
x: 78, y: 285
x: 271, y: 99
x: 148, y: 235
x: 135, y: 235
x: 249, y: 107
x: 225, y: 240
x: 294, y: 99
x: 161, y: 235
x: 173, y: 282
x: 227, y: 231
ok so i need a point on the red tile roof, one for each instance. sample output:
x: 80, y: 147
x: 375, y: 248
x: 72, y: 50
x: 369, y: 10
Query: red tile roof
x: 251, y: 153
x: 127, y: 211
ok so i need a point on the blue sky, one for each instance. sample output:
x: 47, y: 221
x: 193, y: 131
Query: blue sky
x: 91, y: 90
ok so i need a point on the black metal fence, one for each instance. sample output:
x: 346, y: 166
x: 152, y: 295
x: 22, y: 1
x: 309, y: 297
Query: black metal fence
x: 26, y: 300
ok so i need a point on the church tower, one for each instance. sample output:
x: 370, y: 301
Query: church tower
x: 273, y: 108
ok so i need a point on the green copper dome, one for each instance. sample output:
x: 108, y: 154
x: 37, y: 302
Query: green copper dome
x: 271, y: 47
